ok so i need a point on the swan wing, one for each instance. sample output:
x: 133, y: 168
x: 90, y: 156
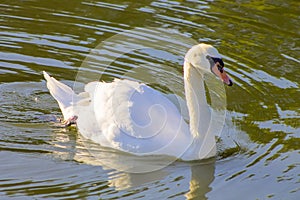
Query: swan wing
x: 134, y: 118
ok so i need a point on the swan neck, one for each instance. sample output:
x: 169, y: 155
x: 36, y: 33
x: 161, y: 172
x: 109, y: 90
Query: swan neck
x: 196, y: 100
x: 204, y: 144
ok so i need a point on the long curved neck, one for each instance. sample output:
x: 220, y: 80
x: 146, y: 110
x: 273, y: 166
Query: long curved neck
x: 196, y: 101
x: 199, y: 112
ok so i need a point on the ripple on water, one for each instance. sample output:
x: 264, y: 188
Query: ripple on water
x: 259, y: 144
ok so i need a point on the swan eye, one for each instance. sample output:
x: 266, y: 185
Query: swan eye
x: 216, y: 61
x: 220, y: 68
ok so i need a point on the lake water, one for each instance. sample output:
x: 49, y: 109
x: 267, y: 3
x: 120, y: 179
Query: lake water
x: 258, y: 149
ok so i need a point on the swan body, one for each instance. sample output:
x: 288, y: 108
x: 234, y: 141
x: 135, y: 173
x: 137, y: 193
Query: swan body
x: 133, y: 117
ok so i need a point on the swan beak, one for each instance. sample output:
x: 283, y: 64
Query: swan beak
x: 222, y: 75
x: 225, y: 78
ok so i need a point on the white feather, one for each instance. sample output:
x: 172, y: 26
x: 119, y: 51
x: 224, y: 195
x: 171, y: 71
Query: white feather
x: 132, y: 117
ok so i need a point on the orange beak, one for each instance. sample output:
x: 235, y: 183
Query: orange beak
x: 222, y: 75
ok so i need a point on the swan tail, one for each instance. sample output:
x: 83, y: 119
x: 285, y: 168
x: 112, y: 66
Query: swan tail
x: 63, y: 94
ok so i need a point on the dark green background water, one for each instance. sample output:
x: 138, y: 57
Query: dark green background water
x: 258, y: 149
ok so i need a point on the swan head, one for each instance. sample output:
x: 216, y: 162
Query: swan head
x: 206, y: 58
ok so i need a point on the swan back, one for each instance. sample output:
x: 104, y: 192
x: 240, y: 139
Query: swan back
x: 135, y: 118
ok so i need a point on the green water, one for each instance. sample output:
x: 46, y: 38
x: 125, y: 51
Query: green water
x: 258, y: 150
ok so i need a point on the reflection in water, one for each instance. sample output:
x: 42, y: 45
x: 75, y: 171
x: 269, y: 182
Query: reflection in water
x: 123, y: 180
x: 196, y: 175
x: 202, y: 177
x: 259, y: 41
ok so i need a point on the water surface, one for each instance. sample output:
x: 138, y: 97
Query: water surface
x: 258, y: 155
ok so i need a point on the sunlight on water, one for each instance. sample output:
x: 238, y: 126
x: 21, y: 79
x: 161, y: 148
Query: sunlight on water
x: 258, y: 150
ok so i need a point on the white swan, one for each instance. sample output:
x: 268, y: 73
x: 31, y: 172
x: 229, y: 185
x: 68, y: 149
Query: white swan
x: 134, y: 118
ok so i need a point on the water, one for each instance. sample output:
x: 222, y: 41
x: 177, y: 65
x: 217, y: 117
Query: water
x: 259, y: 147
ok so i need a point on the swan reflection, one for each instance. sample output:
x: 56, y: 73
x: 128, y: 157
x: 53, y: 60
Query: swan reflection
x: 190, y: 178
